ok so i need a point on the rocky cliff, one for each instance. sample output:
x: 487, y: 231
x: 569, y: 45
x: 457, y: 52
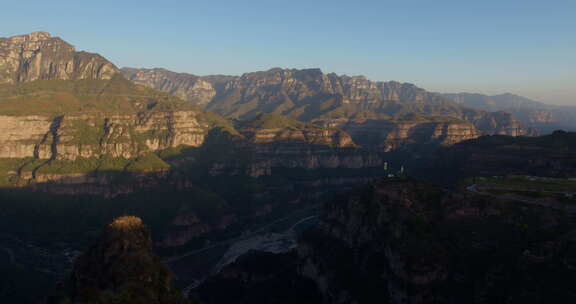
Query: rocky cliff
x: 268, y: 144
x: 272, y: 128
x: 121, y: 268
x: 390, y: 135
x: 73, y: 136
x: 60, y: 130
x: 194, y: 89
x: 38, y: 56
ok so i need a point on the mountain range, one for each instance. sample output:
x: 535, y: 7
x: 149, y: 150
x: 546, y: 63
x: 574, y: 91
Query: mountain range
x: 544, y: 117
x: 61, y: 104
x: 311, y: 95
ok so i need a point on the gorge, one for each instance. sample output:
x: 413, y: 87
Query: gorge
x: 207, y: 161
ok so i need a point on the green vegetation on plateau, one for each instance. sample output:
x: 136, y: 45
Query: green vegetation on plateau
x: 528, y: 183
x: 559, y: 141
x: 10, y: 169
x: 56, y: 97
x: 354, y: 112
x: 148, y: 162
x: 271, y: 121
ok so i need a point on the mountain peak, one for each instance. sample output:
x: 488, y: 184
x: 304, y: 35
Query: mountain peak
x: 35, y: 36
x: 508, y: 95
x: 39, y: 56
x: 126, y: 223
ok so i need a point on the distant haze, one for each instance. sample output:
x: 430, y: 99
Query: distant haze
x: 491, y: 47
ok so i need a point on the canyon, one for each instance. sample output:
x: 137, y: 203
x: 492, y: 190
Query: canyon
x: 208, y: 160
x: 62, y: 105
x: 405, y: 241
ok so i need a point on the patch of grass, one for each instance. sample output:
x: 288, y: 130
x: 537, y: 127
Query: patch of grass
x: 271, y: 121
x: 9, y: 170
x: 559, y: 197
x: 148, y: 162
x: 32, y: 164
x: 521, y: 182
x: 108, y: 163
x: 216, y: 121
x: 79, y: 165
x: 87, y: 133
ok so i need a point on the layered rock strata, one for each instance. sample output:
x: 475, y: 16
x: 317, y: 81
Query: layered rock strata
x: 386, y: 136
x: 73, y: 136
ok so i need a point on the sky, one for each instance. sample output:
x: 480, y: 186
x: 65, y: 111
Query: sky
x: 522, y: 47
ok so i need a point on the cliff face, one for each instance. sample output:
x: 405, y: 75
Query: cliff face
x: 75, y: 136
x: 38, y: 56
x: 189, y: 87
x: 386, y: 135
x: 22, y: 135
x: 271, y: 128
x: 309, y: 95
x: 498, y: 123
x: 267, y: 150
x: 122, y: 268
x: 407, y: 242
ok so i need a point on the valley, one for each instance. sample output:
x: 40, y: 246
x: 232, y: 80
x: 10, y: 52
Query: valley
x: 275, y: 186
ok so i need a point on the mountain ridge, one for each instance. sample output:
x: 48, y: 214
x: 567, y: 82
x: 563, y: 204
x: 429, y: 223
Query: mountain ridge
x: 309, y: 95
x: 544, y: 117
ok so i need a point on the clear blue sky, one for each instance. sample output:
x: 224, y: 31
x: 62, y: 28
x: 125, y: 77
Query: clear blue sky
x: 525, y: 47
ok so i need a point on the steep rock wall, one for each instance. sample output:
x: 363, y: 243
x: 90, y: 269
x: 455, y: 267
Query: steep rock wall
x: 74, y: 136
x: 387, y: 135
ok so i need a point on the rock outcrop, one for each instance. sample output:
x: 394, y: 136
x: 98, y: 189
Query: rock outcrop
x: 121, y: 268
x: 38, y: 56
